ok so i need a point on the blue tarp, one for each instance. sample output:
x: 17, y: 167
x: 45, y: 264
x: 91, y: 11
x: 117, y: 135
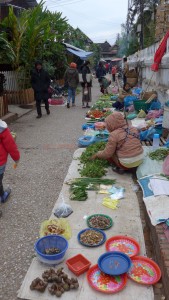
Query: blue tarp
x: 80, y: 53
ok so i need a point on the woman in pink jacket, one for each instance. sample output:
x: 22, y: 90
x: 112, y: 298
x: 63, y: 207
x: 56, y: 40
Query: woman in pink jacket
x: 7, y: 146
x: 123, y: 148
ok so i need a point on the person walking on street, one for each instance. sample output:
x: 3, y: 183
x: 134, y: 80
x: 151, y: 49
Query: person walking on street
x: 40, y: 81
x: 100, y: 71
x: 125, y: 70
x: 86, y: 84
x: 114, y: 71
x: 71, y: 78
x: 7, y: 146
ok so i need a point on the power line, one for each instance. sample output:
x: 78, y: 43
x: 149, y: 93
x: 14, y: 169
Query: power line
x: 65, y: 3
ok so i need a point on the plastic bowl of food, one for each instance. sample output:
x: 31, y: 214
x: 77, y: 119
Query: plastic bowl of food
x: 91, y: 237
x: 51, y: 249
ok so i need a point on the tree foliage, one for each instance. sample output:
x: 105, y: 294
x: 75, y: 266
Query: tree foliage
x: 129, y: 38
x: 7, y: 54
x: 35, y: 34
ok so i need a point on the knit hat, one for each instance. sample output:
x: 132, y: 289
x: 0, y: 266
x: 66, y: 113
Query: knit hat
x: 73, y: 65
x: 38, y: 62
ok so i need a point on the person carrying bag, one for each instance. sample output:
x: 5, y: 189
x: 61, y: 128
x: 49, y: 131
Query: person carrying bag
x: 86, y: 84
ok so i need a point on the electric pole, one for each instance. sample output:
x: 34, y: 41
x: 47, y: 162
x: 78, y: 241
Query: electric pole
x: 142, y: 24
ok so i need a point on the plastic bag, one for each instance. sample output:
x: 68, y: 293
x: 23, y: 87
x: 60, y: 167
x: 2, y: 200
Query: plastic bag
x: 86, y: 126
x: 155, y: 105
x: 89, y: 132
x: 141, y: 114
x: 166, y: 166
x: 137, y: 91
x: 131, y: 116
x: 147, y: 135
x: 63, y: 210
x: 85, y: 91
x: 128, y: 100
x: 56, y: 226
x: 108, y: 202
x: 117, y: 193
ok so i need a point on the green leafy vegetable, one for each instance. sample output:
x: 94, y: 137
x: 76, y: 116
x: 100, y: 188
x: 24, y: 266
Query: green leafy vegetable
x: 79, y: 187
x: 159, y: 154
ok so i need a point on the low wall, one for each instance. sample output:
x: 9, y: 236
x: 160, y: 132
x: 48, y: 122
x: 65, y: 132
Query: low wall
x: 159, y: 80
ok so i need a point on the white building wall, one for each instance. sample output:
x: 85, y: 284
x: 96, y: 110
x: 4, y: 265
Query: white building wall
x: 158, y: 81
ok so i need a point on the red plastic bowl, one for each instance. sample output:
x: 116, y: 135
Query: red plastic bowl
x: 78, y: 264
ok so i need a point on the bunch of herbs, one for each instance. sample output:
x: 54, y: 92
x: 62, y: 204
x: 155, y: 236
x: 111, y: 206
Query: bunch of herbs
x: 93, y: 168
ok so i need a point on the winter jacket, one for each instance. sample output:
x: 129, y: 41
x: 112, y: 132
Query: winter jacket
x: 85, y: 70
x: 7, y: 145
x: 113, y: 70
x: 40, y: 81
x: 71, y: 77
x: 119, y: 142
x: 100, y: 72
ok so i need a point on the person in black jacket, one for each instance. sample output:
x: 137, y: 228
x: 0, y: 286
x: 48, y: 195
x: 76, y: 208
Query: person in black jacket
x: 86, y: 84
x: 100, y: 71
x: 40, y: 81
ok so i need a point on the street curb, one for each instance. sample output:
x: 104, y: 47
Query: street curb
x: 29, y: 105
x: 161, y: 249
x: 10, y: 117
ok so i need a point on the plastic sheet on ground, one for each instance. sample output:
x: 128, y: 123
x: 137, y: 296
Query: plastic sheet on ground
x: 157, y: 208
x: 149, y: 166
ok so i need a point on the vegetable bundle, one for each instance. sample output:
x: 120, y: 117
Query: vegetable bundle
x: 93, y: 168
x: 159, y: 154
x: 80, y: 186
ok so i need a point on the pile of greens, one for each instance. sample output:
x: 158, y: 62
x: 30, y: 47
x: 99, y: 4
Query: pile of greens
x: 100, y: 105
x: 159, y: 154
x: 80, y: 186
x: 93, y: 168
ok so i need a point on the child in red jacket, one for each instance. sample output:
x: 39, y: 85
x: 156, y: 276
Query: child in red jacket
x: 7, y: 146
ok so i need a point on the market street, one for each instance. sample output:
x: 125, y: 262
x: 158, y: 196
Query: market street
x: 47, y: 146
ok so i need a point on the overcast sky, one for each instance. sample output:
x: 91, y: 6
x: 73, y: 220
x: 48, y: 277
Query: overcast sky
x: 100, y: 20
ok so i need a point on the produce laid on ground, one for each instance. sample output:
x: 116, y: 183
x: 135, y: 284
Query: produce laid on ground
x: 99, y: 221
x: 58, y: 282
x: 105, y: 97
x: 93, y: 168
x: 91, y: 237
x: 80, y: 186
x: 159, y: 154
x: 97, y: 114
x: 101, y: 105
x: 55, y: 226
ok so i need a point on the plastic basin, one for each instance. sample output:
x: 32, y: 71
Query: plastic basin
x: 78, y: 264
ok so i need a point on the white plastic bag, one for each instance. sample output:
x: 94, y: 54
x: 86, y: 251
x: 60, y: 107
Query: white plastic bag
x: 63, y: 210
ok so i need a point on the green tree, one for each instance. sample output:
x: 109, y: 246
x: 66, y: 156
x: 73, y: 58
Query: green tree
x: 36, y: 33
x: 7, y: 54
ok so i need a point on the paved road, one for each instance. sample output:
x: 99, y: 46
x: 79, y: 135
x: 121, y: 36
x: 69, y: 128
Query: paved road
x: 47, y: 146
